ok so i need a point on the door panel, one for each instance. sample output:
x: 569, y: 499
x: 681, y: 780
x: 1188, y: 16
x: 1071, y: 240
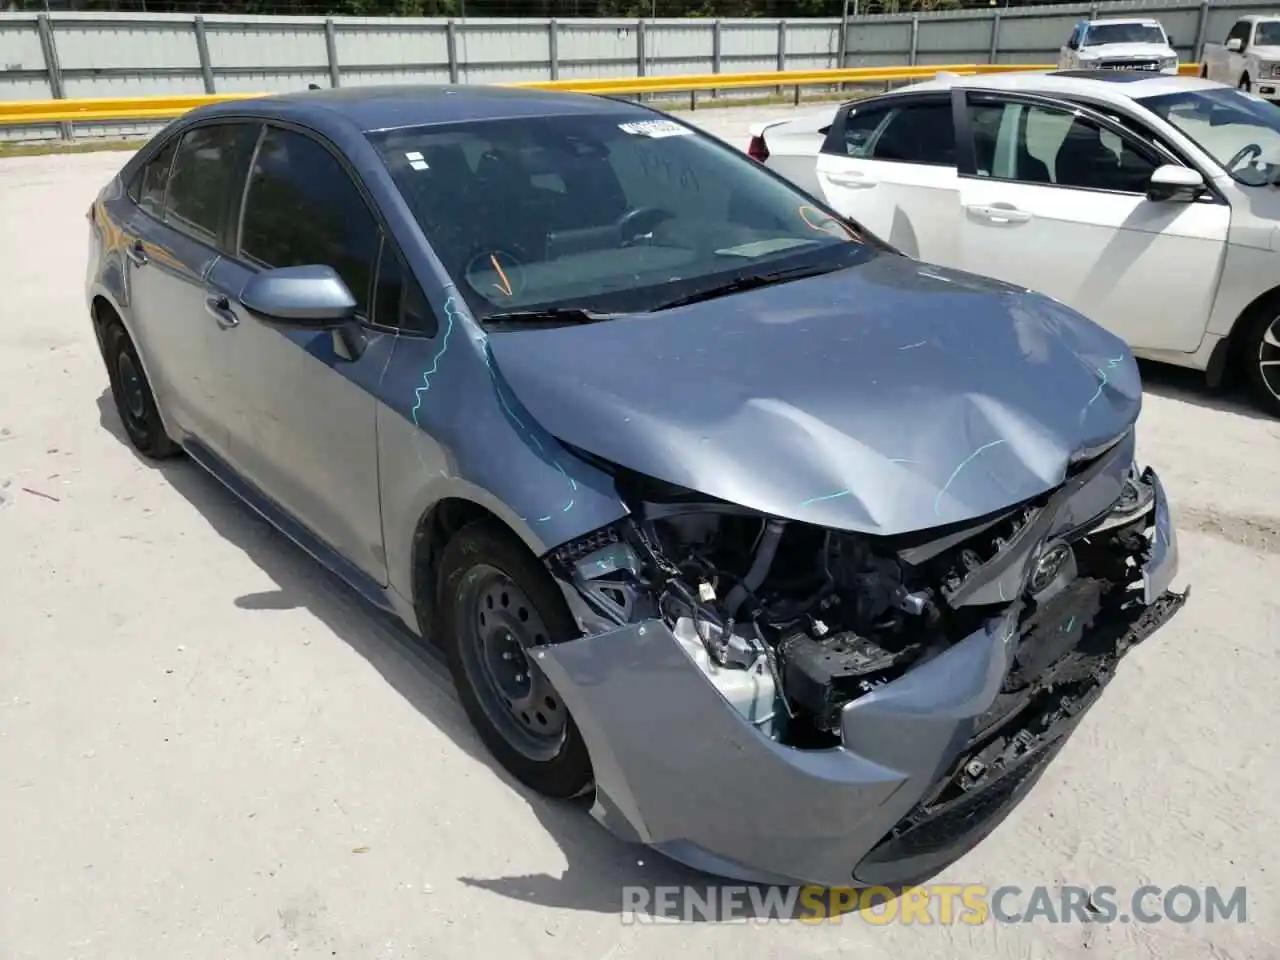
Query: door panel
x: 302, y: 418
x: 893, y: 170
x: 302, y: 423
x: 166, y: 283
x: 1145, y: 271
x: 1148, y: 271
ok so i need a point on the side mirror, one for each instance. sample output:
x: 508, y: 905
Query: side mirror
x: 1235, y: 44
x: 1172, y: 182
x: 313, y: 297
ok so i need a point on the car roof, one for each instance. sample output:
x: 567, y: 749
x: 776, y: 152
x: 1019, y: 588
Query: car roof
x: 1125, y: 19
x: 1145, y: 21
x: 1102, y: 84
x: 370, y: 108
x: 1258, y: 17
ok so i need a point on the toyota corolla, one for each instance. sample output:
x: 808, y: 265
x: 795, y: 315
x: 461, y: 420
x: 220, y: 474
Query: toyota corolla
x: 800, y: 557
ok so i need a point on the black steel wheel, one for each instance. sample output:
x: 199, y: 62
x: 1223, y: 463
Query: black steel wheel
x: 135, y: 403
x: 495, y: 602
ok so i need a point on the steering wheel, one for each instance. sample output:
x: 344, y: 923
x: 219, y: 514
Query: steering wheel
x: 1248, y: 152
x: 638, y: 222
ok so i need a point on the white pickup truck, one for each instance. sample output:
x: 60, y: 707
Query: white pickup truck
x: 1249, y: 59
x: 1134, y: 44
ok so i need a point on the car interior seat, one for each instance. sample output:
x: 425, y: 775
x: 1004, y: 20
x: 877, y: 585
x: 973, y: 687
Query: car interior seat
x: 1083, y: 160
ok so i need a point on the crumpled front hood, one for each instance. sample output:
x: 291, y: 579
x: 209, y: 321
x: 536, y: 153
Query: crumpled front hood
x: 886, y: 398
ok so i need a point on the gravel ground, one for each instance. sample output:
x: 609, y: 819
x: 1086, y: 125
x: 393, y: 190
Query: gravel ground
x: 209, y: 749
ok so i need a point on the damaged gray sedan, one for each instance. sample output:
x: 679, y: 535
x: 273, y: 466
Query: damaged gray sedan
x: 801, y: 557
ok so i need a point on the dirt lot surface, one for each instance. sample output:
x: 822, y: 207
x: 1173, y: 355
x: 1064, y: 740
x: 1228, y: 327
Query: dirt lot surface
x: 209, y: 749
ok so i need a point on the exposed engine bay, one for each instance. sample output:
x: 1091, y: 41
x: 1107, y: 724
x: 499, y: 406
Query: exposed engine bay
x: 791, y: 621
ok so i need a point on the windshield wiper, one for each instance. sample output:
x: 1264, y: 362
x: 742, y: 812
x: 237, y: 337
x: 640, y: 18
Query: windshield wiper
x: 749, y: 282
x: 552, y: 315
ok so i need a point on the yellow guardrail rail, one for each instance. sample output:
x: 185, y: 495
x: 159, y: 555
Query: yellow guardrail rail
x: 113, y: 109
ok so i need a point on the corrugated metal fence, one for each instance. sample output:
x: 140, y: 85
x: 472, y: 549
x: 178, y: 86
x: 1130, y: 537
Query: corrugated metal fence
x: 73, y: 55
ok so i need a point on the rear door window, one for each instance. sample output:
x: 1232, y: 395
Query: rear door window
x: 204, y: 172
x: 917, y: 133
x: 302, y: 208
x: 151, y: 182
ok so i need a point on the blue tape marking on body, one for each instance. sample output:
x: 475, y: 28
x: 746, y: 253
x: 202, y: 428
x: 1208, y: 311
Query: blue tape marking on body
x: 937, y: 501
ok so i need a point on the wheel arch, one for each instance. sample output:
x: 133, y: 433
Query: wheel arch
x: 103, y: 311
x: 438, y: 524
x: 1226, y: 364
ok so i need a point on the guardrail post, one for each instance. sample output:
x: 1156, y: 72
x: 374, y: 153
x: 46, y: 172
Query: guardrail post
x: 915, y: 38
x: 782, y: 52
x: 995, y: 38
x: 553, y: 47
x: 1202, y: 25
x: 715, y: 51
x: 202, y: 50
x: 1093, y: 11
x: 451, y: 41
x: 844, y: 38
x: 331, y: 49
x: 641, y: 52
x: 52, y: 67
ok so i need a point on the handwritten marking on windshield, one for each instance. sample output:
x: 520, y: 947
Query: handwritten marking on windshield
x: 824, y: 223
x: 912, y: 346
x: 937, y: 501
x: 505, y: 285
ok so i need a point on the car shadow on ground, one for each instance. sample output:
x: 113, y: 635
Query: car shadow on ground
x: 1188, y: 386
x: 598, y: 865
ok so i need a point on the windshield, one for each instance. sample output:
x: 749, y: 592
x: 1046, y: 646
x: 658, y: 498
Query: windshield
x: 1240, y: 131
x: 1101, y: 33
x: 1267, y: 34
x: 603, y: 212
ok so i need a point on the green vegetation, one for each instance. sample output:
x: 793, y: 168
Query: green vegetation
x: 792, y: 9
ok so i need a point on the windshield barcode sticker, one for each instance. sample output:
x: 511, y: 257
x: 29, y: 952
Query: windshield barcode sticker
x: 655, y: 129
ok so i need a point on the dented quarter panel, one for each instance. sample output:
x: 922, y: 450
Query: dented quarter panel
x: 889, y: 397
x: 449, y: 427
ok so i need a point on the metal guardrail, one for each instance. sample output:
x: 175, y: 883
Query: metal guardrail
x: 112, y: 109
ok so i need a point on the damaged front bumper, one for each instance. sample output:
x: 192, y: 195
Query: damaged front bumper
x: 928, y: 765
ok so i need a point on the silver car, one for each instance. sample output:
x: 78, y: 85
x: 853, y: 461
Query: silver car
x: 800, y: 557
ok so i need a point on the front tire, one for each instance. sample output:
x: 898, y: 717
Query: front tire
x: 1245, y: 85
x: 1260, y: 353
x: 495, y: 601
x: 134, y: 400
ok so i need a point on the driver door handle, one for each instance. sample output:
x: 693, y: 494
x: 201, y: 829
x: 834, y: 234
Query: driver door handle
x: 219, y: 307
x: 137, y: 253
x: 855, y: 181
x: 997, y: 213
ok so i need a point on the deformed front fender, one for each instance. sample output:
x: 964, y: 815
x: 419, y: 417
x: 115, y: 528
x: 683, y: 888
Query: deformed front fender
x: 678, y: 768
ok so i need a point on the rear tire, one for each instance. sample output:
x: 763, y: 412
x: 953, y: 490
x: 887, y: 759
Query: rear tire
x: 1260, y: 355
x: 496, y: 600
x: 135, y: 403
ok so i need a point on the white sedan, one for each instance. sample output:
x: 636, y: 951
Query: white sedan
x: 1148, y: 203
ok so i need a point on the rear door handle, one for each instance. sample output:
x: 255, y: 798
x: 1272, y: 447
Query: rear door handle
x: 137, y: 253
x: 855, y: 181
x: 219, y: 307
x: 997, y: 213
